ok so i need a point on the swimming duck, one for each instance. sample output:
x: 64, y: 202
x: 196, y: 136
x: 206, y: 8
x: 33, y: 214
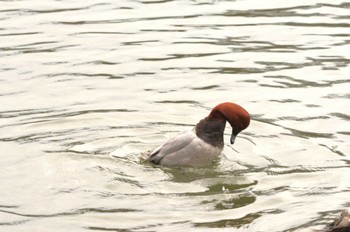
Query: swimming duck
x: 340, y: 224
x: 200, y: 145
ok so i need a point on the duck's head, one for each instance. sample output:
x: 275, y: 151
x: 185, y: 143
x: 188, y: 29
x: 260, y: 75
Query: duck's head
x: 236, y: 115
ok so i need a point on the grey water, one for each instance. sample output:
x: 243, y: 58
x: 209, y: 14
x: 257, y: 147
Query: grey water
x: 86, y: 86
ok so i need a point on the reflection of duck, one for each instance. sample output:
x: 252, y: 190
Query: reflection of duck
x: 341, y: 224
x: 201, y: 145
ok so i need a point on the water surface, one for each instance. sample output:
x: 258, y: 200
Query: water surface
x: 86, y: 86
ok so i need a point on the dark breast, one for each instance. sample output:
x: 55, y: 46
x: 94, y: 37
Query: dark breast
x: 211, y: 132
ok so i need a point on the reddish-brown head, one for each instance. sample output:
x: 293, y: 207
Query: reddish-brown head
x: 236, y: 115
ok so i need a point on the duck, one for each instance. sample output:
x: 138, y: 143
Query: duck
x: 340, y: 224
x: 202, y: 144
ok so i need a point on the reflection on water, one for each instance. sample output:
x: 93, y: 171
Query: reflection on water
x: 86, y: 86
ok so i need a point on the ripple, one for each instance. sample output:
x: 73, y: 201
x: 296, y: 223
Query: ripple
x: 308, y: 134
x: 73, y: 212
x: 235, y: 223
x: 206, y: 87
x: 235, y: 202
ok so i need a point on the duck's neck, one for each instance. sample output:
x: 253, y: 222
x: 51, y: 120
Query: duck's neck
x: 211, y: 131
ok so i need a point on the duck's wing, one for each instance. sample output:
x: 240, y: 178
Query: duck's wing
x: 172, y: 146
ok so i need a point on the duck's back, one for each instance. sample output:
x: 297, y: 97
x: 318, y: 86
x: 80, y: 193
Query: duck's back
x: 185, y: 149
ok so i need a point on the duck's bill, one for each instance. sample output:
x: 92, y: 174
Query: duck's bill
x: 233, y: 138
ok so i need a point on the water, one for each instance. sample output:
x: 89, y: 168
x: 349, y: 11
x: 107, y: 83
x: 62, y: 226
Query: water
x: 86, y: 86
